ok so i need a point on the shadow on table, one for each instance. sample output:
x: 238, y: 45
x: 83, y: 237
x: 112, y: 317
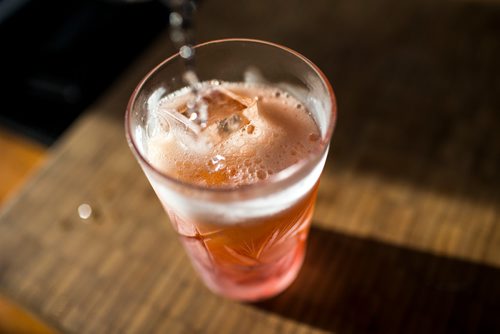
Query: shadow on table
x: 417, y: 102
x: 353, y: 285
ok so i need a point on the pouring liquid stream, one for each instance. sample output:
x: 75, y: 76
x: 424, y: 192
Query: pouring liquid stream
x: 212, y: 112
x: 181, y: 33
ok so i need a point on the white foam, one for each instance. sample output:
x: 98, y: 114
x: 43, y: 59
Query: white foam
x: 275, y: 138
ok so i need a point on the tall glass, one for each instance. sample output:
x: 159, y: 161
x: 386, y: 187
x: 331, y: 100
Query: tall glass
x: 247, y: 242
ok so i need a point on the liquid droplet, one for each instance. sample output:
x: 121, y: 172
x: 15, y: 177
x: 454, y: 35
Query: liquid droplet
x: 175, y: 19
x: 84, y: 211
x: 186, y: 52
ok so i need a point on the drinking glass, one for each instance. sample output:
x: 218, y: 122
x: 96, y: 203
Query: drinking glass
x: 247, y: 242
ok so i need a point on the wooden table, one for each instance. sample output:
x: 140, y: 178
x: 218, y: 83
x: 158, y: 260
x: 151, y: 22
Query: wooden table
x: 406, y: 235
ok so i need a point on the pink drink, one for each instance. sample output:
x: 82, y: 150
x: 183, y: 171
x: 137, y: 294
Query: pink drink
x: 239, y: 186
x: 254, y: 257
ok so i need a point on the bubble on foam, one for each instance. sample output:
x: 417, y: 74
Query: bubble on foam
x: 261, y: 174
x: 232, y: 171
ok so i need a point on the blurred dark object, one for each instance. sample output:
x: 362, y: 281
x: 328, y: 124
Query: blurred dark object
x: 59, y: 56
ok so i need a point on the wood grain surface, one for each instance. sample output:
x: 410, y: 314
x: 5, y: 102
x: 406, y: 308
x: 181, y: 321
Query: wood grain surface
x: 20, y: 156
x: 406, y: 235
x: 14, y: 319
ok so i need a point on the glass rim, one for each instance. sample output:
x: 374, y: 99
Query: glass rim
x: 272, y: 179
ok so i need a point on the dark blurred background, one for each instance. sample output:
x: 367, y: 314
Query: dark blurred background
x: 58, y: 56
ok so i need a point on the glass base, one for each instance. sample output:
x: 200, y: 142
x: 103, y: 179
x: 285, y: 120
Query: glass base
x: 248, y: 283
